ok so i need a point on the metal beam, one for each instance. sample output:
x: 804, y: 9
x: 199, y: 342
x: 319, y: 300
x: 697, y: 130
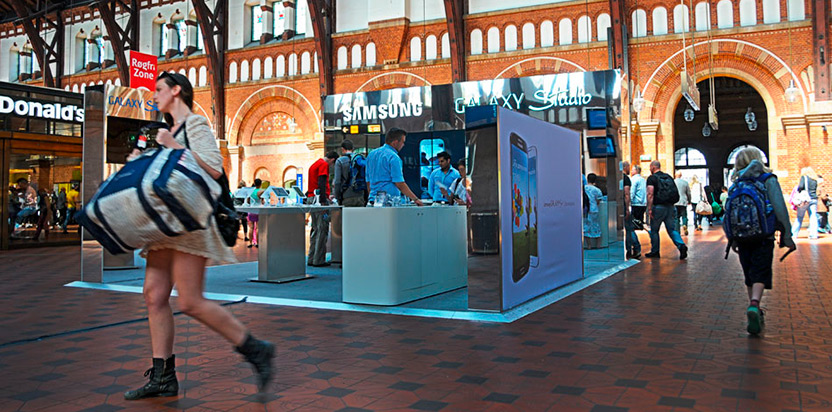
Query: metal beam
x: 820, y: 48
x: 34, y: 38
x: 323, y: 22
x: 121, y: 39
x: 455, y: 11
x: 54, y: 49
x: 214, y: 27
x: 619, y: 31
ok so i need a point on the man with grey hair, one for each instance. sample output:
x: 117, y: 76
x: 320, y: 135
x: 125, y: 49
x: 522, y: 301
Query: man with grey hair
x: 662, y: 195
x: 638, y: 196
x: 682, y: 205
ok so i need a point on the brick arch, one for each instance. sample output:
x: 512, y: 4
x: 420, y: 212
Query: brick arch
x: 541, y: 65
x: 279, y: 93
x: 252, y: 119
x: 393, y: 80
x: 758, y: 67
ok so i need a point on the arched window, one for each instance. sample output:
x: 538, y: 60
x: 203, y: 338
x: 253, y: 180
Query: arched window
x: 192, y: 75
x: 603, y: 23
x: 342, y: 58
x: 659, y: 21
x: 771, y: 11
x: 529, y: 36
x: 446, y: 46
x: 203, y: 76
x: 244, y: 71
x: 75, y: 88
x: 256, y: 22
x: 118, y: 82
x: 511, y: 37
x: 547, y: 34
x: 263, y: 174
x: 14, y: 63
x: 681, y: 19
x: 688, y: 156
x: 493, y: 40
x: 748, y: 12
x: 703, y: 16
x: 565, y: 32
x: 306, y: 64
x: 255, y: 69
x: 290, y: 176
x: 355, y: 61
x: 301, y: 15
x: 797, y: 10
x: 584, y: 29
x: 268, y: 68
x: 639, y: 23
x: 315, y: 62
x: 431, y: 48
x: 724, y: 14
x: 732, y: 158
x: 476, y: 42
x: 232, y: 72
x: 280, y: 66
x: 371, y: 54
x: 293, y: 64
x: 415, y: 49
x: 183, y: 72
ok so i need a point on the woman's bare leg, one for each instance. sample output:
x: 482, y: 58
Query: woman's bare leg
x: 157, y: 287
x: 189, y: 277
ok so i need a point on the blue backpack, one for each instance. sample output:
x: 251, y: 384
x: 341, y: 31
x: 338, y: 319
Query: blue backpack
x: 748, y: 211
x: 358, y: 174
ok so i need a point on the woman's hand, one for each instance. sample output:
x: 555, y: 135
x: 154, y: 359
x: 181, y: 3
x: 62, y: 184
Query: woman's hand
x: 165, y: 138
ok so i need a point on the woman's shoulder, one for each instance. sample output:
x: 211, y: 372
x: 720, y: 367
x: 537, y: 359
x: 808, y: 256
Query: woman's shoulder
x: 196, y: 120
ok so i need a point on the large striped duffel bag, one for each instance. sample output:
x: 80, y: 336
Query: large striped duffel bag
x: 162, y: 193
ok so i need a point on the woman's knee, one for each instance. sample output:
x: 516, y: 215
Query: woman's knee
x: 190, y: 305
x: 156, y: 297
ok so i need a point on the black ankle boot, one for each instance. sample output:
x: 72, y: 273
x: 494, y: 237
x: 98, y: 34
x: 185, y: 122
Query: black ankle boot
x: 258, y: 353
x: 162, y: 381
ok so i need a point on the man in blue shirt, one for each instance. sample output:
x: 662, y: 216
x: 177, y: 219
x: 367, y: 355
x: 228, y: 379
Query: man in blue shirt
x: 442, y: 178
x: 384, y: 168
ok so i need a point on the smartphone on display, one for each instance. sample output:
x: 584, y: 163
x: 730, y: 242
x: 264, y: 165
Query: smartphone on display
x: 519, y: 207
x: 532, y: 208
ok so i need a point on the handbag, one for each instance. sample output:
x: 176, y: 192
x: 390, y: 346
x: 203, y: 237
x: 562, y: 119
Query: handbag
x: 163, y: 193
x: 226, y: 216
x: 801, y: 198
x: 703, y: 207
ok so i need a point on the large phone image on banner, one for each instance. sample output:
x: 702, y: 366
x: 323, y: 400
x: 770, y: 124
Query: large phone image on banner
x: 540, y: 206
x: 519, y: 207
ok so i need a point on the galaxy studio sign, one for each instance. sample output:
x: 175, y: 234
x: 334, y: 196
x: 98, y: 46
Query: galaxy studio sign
x: 41, y: 110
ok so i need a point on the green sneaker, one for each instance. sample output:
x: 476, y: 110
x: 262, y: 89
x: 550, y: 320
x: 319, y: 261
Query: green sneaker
x: 755, y: 324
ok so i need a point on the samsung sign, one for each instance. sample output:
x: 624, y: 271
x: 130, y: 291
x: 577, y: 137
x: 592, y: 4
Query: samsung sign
x: 381, y: 111
x: 41, y: 110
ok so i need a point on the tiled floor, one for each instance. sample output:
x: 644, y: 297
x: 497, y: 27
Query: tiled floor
x: 663, y: 335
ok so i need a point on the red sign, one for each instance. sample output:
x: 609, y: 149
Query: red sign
x: 143, y: 70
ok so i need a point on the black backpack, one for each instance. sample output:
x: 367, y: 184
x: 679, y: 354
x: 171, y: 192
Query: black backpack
x: 666, y: 191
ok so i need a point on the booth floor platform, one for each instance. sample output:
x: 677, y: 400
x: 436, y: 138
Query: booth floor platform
x: 323, y: 291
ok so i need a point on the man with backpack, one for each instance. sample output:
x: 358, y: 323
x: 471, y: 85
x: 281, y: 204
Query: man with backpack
x: 349, y: 186
x: 662, y: 195
x: 754, y: 209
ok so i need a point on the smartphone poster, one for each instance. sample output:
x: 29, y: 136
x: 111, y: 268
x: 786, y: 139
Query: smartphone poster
x: 540, y: 207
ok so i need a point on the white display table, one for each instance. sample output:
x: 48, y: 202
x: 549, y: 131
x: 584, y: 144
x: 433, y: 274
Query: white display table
x: 282, y: 239
x: 394, y: 255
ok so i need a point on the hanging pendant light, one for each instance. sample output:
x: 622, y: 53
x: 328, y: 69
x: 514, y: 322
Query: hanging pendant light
x: 689, y: 114
x: 292, y: 125
x: 638, y: 101
x: 752, y: 126
x: 750, y: 117
x: 791, y: 92
x: 706, y: 130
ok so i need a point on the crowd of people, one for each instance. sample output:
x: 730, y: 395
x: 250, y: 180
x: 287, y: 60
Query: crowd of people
x: 41, y: 209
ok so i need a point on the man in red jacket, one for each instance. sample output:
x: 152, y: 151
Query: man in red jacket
x: 319, y: 180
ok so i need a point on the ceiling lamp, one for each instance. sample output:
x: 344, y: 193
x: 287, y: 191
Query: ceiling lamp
x: 292, y: 125
x: 791, y: 92
x: 638, y: 102
x: 689, y: 114
x: 752, y: 126
x: 706, y: 130
x: 750, y: 116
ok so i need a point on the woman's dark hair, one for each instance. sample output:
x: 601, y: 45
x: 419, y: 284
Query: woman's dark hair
x: 257, y: 183
x: 186, y: 90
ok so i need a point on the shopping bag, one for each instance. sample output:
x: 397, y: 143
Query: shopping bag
x: 163, y: 193
x: 704, y: 208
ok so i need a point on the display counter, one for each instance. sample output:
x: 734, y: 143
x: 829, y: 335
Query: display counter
x: 394, y: 255
x: 282, y: 238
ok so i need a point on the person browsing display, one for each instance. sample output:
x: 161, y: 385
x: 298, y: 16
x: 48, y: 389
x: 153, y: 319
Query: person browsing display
x: 384, y: 168
x: 457, y: 193
x: 442, y: 178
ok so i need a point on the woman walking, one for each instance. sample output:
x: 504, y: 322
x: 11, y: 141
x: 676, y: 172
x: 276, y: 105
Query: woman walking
x: 697, y: 193
x: 181, y: 261
x: 756, y: 256
x: 809, y: 182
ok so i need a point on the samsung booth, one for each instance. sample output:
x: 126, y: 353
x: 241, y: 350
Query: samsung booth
x: 516, y: 247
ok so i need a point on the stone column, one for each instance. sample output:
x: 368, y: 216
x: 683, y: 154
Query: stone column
x: 235, y: 169
x: 192, y: 34
x: 108, y: 59
x: 93, y: 52
x: 289, y: 19
x: 267, y: 25
x: 173, y: 40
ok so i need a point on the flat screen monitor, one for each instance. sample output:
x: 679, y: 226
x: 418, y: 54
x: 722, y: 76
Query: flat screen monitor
x: 600, y: 146
x: 596, y: 119
x: 298, y: 191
